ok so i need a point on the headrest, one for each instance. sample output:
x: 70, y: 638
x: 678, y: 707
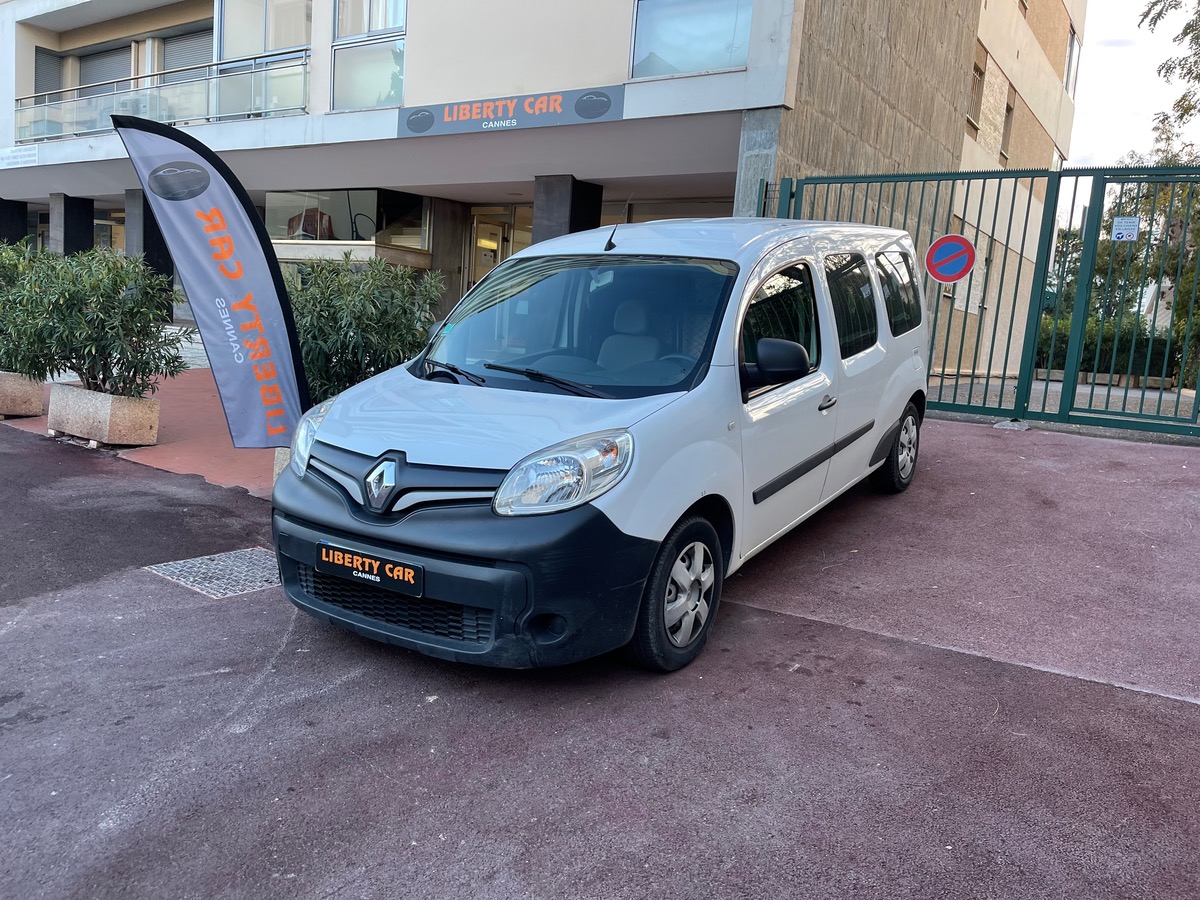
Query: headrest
x: 630, y: 318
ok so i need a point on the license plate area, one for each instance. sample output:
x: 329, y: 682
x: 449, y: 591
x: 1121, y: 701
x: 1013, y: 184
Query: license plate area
x: 371, y: 569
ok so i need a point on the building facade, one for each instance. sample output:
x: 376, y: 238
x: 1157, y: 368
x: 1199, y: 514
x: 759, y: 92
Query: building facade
x: 448, y: 135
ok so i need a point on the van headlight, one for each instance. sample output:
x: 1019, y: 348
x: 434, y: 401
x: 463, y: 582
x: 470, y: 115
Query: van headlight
x: 306, y: 433
x: 565, y: 475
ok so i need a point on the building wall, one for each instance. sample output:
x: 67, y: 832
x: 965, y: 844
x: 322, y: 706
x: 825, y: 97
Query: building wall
x: 540, y: 45
x: 880, y: 88
x: 1033, y: 62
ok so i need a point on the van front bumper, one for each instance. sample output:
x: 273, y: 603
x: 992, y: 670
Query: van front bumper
x: 517, y: 591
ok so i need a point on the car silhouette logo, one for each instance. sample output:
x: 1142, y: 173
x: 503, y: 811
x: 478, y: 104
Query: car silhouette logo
x: 178, y: 181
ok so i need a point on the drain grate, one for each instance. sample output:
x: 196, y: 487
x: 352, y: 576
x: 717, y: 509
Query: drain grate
x: 224, y: 574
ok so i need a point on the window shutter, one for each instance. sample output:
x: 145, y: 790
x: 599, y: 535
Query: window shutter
x: 104, y: 67
x: 47, y: 71
x: 195, y: 49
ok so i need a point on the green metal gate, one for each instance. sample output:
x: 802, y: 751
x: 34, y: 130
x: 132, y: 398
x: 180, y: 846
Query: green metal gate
x: 1082, y: 305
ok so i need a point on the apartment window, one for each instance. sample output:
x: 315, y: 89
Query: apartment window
x: 368, y: 56
x: 1010, y: 108
x: 1072, y: 67
x: 255, y: 27
x: 357, y: 17
x: 674, y: 37
x: 977, y: 75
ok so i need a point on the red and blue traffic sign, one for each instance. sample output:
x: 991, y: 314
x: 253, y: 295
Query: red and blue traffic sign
x: 950, y: 258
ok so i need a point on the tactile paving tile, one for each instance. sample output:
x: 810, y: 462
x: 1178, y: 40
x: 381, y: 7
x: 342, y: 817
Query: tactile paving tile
x: 224, y: 574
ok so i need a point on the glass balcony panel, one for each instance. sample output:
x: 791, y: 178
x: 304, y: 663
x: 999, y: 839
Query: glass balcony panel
x: 261, y: 87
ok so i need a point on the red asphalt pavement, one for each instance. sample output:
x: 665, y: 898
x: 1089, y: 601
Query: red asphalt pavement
x: 988, y: 686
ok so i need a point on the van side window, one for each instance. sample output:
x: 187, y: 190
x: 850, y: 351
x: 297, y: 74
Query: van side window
x: 853, y: 302
x: 900, y: 296
x: 784, y: 307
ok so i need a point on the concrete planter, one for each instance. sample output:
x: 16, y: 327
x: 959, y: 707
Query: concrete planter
x: 19, y: 396
x: 1105, y: 378
x: 1049, y: 374
x: 1153, y: 382
x: 102, y: 418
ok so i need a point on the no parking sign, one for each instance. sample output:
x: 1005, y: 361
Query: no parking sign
x: 950, y: 259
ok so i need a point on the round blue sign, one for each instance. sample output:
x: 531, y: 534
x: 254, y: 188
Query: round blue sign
x: 950, y: 259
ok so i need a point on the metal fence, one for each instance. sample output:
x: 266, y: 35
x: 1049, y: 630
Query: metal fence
x: 1082, y: 304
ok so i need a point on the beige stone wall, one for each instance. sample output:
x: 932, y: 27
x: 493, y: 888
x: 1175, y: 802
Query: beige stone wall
x: 1051, y: 24
x: 1030, y: 146
x: 991, y: 113
x: 883, y: 87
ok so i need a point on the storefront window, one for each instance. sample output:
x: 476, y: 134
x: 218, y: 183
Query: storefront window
x: 675, y: 37
x: 390, y: 218
x: 368, y: 75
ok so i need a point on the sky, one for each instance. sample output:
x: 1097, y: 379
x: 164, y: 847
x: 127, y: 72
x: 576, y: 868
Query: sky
x: 1119, y: 90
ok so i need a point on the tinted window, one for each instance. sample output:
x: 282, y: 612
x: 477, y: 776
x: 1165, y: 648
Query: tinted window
x: 853, y: 302
x: 900, y: 296
x: 784, y: 307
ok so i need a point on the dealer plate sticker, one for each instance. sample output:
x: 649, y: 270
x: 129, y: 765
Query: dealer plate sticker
x: 394, y: 575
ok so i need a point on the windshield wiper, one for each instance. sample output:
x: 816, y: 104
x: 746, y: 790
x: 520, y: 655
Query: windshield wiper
x: 450, y: 367
x: 566, y: 384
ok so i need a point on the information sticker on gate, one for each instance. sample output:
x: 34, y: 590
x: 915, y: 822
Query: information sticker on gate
x: 1125, y: 228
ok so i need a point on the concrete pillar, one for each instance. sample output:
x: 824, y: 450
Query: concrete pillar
x: 758, y: 151
x: 562, y: 205
x: 450, y: 225
x: 142, y: 234
x: 71, y: 228
x: 14, y: 220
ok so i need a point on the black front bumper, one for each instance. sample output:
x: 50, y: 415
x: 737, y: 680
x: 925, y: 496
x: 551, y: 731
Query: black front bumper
x: 503, y: 591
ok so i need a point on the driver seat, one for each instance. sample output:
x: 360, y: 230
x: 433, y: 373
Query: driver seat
x: 630, y: 344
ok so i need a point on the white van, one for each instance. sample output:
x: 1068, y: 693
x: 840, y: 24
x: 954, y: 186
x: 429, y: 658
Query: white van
x: 602, y: 430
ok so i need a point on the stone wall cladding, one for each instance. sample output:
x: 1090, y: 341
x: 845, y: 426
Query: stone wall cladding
x: 1051, y: 25
x: 883, y: 87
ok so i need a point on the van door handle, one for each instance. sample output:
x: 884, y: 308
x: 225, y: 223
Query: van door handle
x: 827, y: 402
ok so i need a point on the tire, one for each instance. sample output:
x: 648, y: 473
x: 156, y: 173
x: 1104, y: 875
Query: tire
x: 681, y: 597
x: 898, y: 469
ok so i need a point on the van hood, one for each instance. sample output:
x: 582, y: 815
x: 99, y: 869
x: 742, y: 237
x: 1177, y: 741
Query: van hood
x: 465, y: 425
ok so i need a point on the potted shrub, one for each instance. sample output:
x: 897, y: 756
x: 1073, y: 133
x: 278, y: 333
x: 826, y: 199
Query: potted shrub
x: 98, y: 314
x: 19, y: 396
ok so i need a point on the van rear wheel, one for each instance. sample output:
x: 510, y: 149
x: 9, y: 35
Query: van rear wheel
x: 681, y: 597
x: 898, y: 469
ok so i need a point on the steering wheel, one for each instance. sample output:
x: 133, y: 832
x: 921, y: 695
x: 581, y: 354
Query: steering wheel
x: 681, y: 358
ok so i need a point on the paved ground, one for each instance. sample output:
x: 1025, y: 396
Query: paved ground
x: 986, y: 687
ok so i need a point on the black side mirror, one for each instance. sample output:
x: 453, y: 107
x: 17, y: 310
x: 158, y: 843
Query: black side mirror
x: 779, y: 362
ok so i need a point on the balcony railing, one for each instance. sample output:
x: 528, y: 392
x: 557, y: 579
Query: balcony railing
x: 252, y: 87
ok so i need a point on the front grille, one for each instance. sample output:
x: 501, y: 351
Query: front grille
x: 469, y: 624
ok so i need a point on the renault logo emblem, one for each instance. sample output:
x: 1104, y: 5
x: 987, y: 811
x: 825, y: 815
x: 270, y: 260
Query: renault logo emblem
x: 380, y: 483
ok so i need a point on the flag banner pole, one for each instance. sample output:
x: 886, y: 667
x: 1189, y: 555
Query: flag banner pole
x: 231, y: 276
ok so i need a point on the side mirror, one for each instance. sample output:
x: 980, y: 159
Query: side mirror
x: 780, y: 361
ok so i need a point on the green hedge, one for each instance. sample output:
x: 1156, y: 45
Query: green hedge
x: 355, y: 320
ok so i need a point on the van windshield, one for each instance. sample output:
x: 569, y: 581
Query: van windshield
x: 603, y: 325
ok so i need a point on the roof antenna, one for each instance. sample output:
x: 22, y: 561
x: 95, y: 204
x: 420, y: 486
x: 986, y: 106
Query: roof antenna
x: 610, y: 244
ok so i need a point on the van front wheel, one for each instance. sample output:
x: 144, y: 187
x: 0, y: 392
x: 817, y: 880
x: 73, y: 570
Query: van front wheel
x: 681, y: 597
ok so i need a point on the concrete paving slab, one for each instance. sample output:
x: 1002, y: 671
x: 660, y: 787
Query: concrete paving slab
x: 174, y: 745
x: 1050, y: 550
